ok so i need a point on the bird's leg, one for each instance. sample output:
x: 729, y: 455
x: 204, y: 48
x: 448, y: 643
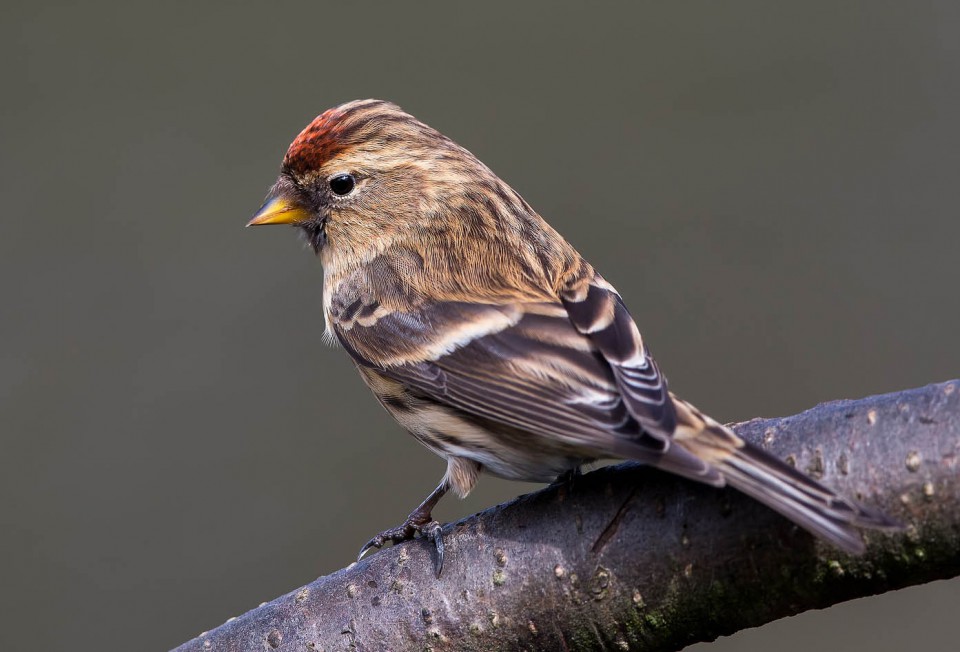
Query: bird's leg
x: 568, y: 477
x: 419, y: 522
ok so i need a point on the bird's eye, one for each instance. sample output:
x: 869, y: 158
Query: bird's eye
x: 342, y: 184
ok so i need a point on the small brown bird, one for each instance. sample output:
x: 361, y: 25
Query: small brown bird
x: 487, y: 336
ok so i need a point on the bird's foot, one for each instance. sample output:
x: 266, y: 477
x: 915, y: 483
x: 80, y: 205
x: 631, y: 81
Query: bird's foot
x: 568, y: 477
x: 416, y: 523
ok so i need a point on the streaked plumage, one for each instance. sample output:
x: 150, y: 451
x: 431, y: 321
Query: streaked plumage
x: 487, y: 336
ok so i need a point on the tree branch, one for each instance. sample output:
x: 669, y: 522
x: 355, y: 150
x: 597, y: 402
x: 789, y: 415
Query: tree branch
x: 630, y: 558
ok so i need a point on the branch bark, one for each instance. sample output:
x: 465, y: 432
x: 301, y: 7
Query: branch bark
x: 629, y: 558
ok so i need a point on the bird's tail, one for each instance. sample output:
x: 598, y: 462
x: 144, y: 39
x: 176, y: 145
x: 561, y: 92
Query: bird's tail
x: 775, y: 483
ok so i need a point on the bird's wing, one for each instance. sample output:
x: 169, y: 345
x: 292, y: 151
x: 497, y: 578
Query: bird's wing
x: 597, y: 312
x: 567, y: 370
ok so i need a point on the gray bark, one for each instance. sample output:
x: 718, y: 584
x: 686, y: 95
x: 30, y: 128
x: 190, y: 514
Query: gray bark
x: 628, y: 558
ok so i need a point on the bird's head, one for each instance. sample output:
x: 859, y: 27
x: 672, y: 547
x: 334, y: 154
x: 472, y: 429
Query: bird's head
x: 364, y: 174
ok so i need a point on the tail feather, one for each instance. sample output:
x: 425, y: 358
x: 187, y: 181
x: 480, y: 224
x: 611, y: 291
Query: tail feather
x: 801, y: 499
x: 776, y: 484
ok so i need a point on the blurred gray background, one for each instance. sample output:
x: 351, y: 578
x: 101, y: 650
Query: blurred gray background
x: 773, y: 190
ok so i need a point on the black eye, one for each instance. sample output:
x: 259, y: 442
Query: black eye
x: 342, y: 184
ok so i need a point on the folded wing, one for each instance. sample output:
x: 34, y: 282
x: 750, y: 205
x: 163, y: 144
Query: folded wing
x: 574, y: 371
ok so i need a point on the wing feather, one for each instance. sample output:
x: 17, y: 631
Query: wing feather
x: 598, y: 313
x: 525, y: 366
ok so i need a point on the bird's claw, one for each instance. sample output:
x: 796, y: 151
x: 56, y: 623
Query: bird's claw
x: 434, y: 532
x: 394, y: 535
x: 431, y: 530
x: 568, y: 478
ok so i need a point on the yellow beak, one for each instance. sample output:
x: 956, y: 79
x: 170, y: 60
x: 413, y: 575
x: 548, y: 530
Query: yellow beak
x: 278, y: 210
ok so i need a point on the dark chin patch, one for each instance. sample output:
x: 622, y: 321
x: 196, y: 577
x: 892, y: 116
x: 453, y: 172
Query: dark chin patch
x: 316, y: 234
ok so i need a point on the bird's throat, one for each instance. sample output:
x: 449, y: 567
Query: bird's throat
x: 316, y: 234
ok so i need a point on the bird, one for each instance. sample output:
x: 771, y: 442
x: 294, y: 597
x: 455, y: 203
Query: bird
x: 488, y: 337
